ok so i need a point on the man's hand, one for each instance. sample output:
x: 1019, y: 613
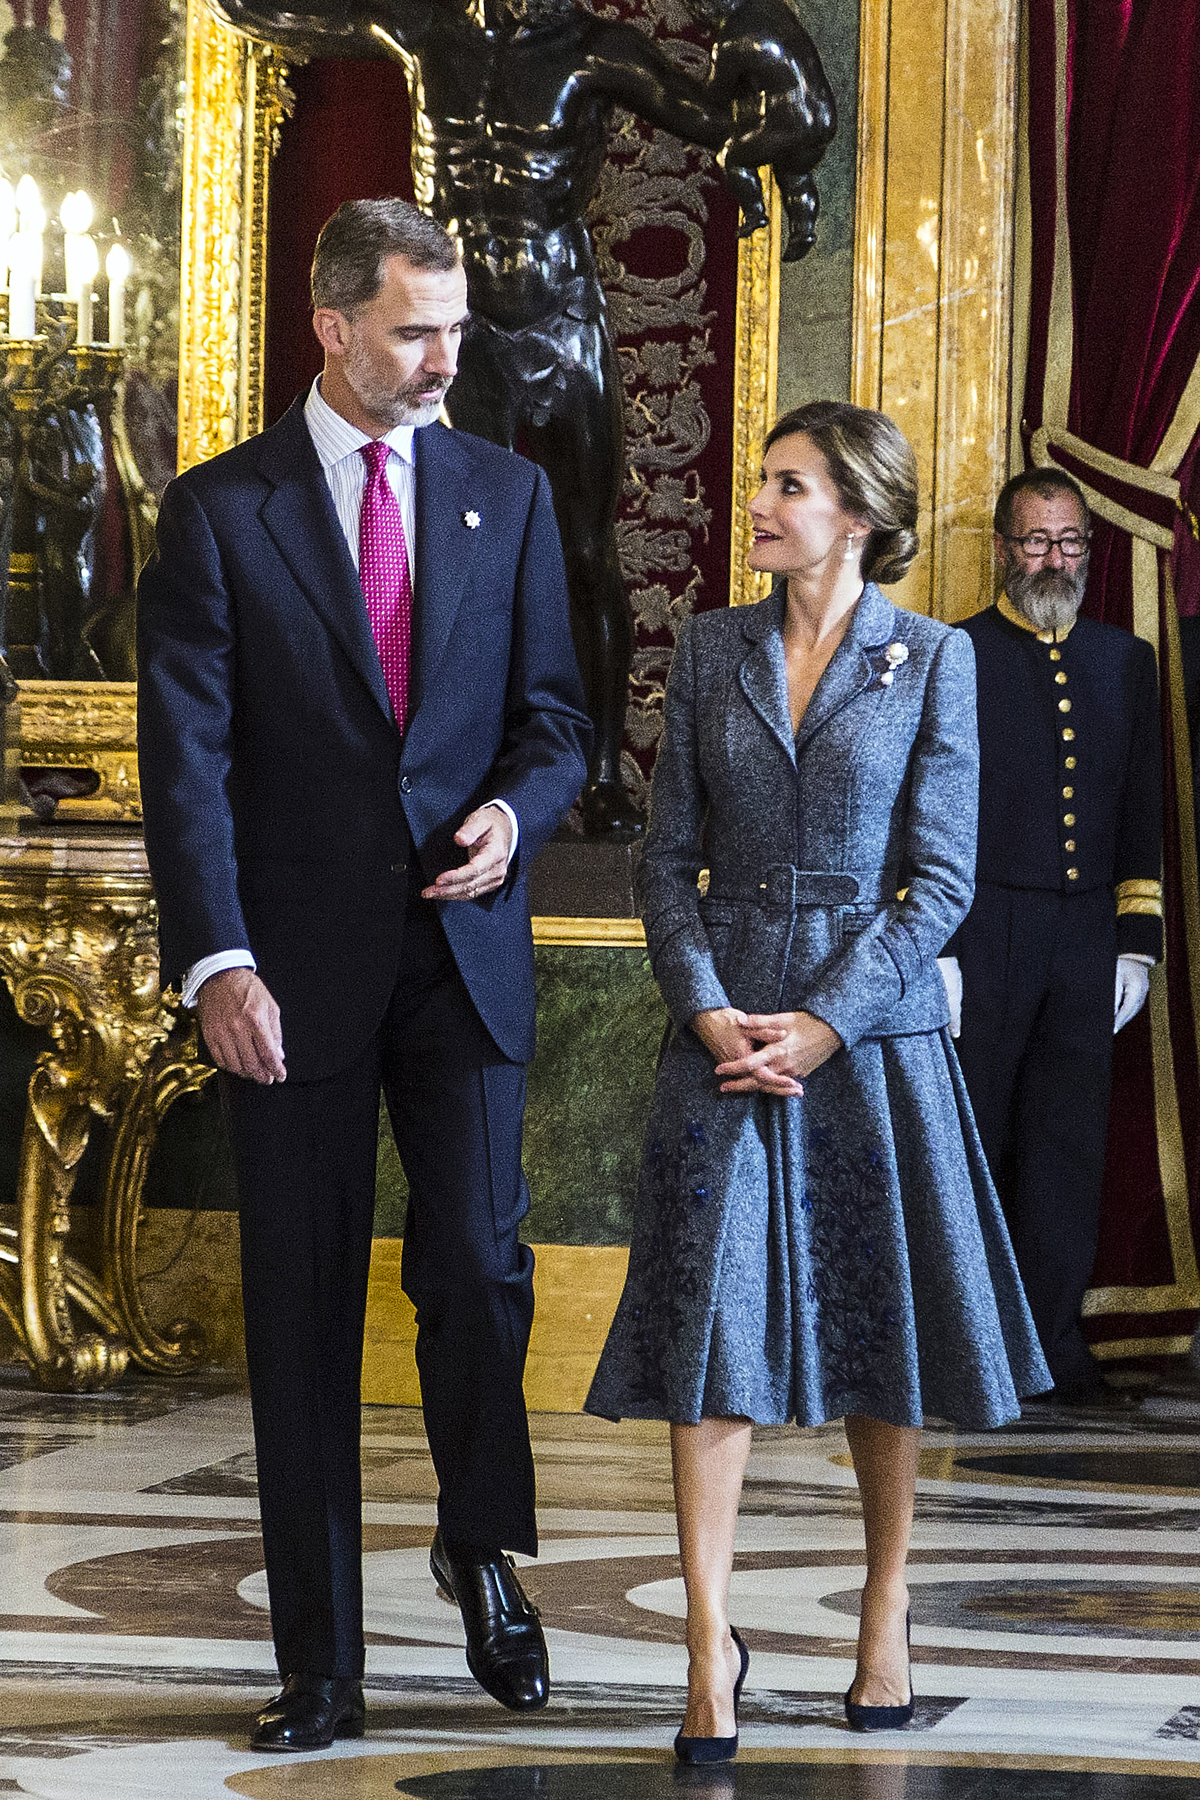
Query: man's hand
x: 952, y: 976
x: 486, y: 835
x: 240, y: 1022
x: 1133, y: 984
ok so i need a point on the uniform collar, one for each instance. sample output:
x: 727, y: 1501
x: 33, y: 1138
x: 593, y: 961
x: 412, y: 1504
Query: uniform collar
x: 1007, y: 610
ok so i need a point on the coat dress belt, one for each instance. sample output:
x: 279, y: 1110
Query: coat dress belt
x: 783, y: 885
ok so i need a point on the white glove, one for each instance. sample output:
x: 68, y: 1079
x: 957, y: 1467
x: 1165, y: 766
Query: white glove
x: 1133, y: 984
x: 952, y: 976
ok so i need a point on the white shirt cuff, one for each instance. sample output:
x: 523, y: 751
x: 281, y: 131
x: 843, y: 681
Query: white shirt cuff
x: 195, y: 977
x: 511, y: 816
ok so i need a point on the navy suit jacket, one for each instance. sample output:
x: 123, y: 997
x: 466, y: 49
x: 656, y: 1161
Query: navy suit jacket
x: 282, y: 811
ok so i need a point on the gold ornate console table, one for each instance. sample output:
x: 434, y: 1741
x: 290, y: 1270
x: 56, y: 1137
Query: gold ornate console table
x: 78, y: 954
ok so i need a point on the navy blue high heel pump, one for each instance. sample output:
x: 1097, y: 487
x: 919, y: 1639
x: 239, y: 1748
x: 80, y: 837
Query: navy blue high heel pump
x: 716, y: 1749
x: 883, y: 1718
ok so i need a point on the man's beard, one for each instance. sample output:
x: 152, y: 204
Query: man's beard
x: 405, y: 406
x: 1048, y: 598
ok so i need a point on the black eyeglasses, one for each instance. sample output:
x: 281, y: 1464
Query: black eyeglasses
x: 1072, y: 544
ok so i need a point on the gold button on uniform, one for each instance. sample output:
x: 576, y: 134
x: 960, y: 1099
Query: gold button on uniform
x: 1061, y: 678
x: 1068, y: 761
x: 1070, y: 844
x: 1056, y: 656
x: 1072, y: 874
x: 1064, y: 706
x: 1068, y: 818
x: 1069, y: 738
x: 1068, y: 793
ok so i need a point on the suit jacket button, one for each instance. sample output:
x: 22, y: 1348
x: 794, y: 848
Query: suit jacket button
x: 405, y: 785
x: 398, y: 868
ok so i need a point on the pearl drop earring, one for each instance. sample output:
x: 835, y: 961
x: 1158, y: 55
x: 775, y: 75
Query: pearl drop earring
x: 850, y: 550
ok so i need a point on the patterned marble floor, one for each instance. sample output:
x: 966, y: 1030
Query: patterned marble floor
x: 1055, y: 1618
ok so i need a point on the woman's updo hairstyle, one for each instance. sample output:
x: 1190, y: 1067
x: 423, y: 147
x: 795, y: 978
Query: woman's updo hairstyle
x: 872, y: 466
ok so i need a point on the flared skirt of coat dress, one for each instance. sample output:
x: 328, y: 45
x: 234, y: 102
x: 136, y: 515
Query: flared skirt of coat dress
x: 801, y: 1259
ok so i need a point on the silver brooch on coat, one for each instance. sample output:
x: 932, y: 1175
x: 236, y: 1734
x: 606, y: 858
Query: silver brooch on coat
x: 894, y: 657
x: 472, y: 521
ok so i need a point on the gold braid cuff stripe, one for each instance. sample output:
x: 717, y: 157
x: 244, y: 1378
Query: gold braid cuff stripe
x: 1136, y: 888
x: 1138, y: 896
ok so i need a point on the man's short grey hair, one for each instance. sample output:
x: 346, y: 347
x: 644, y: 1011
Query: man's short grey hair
x: 355, y: 243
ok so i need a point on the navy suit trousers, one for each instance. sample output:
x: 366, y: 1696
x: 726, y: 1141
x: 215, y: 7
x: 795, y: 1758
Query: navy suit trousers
x: 305, y: 1156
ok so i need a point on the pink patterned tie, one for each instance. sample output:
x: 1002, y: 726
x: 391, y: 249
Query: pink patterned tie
x: 386, y: 583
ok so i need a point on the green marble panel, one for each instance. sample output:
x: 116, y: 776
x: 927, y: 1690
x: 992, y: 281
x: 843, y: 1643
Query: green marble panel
x: 600, y: 1023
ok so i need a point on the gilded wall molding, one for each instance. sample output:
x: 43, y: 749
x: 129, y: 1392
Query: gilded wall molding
x: 755, y: 374
x: 236, y: 99
x: 933, y: 268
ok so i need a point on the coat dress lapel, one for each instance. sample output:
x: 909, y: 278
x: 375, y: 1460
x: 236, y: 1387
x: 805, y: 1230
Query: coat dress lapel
x: 300, y: 517
x: 763, y: 673
x: 762, y: 676
x: 851, y: 669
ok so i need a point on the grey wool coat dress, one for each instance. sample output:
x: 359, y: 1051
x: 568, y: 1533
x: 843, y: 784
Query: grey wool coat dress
x: 843, y: 1252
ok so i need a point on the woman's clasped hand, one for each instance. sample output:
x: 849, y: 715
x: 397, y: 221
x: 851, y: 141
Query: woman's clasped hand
x: 766, y: 1053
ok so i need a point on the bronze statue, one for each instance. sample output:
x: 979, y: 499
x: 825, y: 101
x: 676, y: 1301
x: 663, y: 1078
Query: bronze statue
x: 766, y: 70
x: 511, y: 103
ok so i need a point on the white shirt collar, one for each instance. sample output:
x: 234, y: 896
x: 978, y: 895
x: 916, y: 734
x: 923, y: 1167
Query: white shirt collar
x: 334, y: 438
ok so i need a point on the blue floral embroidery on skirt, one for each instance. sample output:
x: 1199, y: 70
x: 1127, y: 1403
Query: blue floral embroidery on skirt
x: 852, y: 1284
x: 672, y: 1271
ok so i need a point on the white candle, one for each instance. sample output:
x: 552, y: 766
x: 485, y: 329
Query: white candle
x: 32, y: 216
x: 89, y: 263
x: 28, y: 200
x: 22, y: 285
x: 76, y: 215
x: 117, y: 266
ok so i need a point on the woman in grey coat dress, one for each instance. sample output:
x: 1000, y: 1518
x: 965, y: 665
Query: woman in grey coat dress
x: 816, y: 1235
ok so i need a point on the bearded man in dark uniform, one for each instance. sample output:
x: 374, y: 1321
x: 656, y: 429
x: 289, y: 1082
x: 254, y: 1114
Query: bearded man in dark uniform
x: 1054, y: 956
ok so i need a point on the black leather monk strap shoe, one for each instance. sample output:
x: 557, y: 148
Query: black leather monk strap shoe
x: 506, y: 1652
x: 310, y: 1712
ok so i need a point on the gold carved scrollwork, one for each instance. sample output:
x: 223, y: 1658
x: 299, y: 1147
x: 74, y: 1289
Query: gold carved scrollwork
x: 79, y: 956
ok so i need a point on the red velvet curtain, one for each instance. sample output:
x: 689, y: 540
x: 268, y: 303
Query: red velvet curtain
x: 1133, y: 224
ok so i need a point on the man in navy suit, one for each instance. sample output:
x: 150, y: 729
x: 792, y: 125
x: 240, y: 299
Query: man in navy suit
x: 359, y: 719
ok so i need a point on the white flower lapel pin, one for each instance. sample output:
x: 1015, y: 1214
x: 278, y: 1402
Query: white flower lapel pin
x: 894, y: 657
x: 472, y: 520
